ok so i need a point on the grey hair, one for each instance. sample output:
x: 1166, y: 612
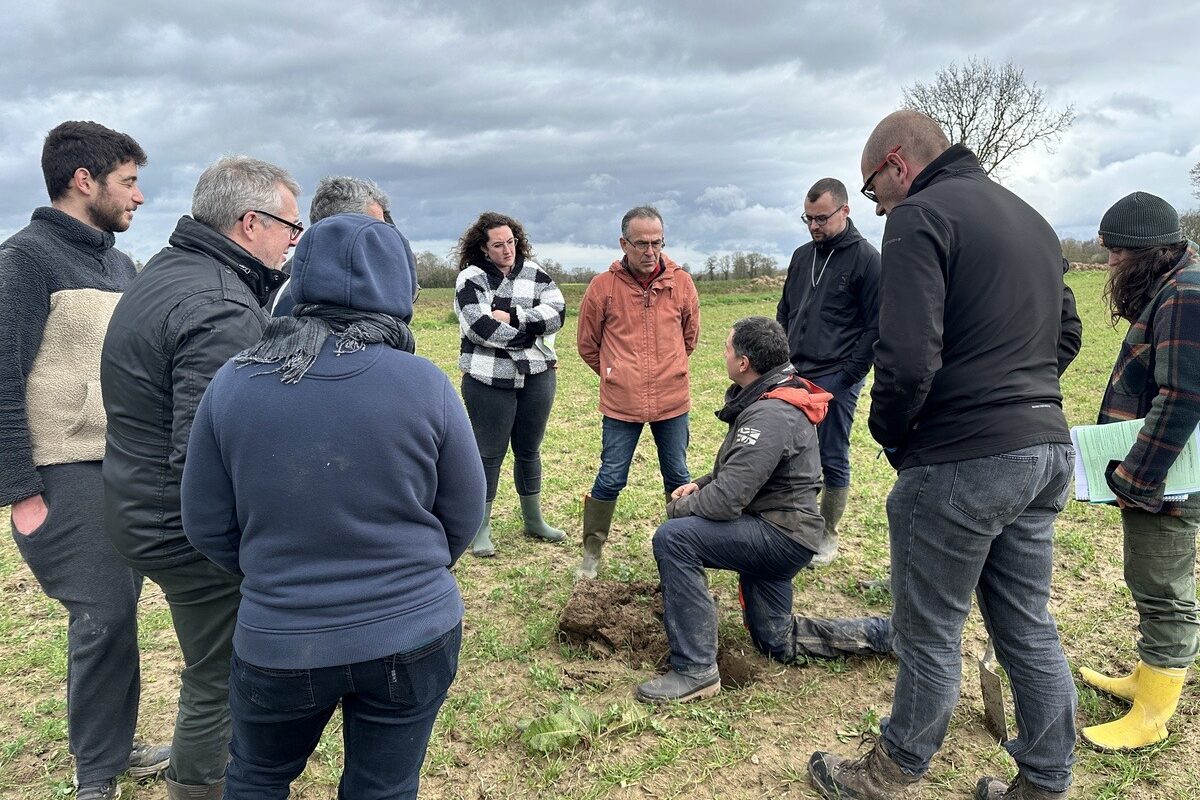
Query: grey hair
x: 234, y: 185
x: 345, y: 195
x: 640, y: 212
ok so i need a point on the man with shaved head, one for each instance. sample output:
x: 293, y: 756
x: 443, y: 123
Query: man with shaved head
x: 975, y: 327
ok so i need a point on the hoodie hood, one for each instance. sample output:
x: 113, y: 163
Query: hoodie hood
x: 357, y: 262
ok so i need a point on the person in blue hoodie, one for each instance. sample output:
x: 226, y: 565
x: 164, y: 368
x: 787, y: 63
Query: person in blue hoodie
x: 337, y: 472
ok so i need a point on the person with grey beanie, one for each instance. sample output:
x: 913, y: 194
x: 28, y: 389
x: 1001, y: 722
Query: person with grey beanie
x: 1154, y: 284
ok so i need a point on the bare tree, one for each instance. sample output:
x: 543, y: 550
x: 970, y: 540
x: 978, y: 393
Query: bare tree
x: 1189, y: 221
x: 990, y: 108
x: 1195, y: 175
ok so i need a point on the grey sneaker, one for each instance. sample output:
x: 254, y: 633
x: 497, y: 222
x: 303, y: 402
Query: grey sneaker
x: 109, y: 790
x: 148, y: 760
x: 676, y: 687
x: 871, y: 776
x: 990, y: 788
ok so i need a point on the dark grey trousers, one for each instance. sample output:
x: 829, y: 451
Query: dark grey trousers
x: 204, y: 602
x: 72, y: 558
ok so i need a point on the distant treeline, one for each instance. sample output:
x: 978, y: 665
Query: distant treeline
x: 434, y: 271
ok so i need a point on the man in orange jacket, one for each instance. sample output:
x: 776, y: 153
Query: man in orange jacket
x: 638, y: 324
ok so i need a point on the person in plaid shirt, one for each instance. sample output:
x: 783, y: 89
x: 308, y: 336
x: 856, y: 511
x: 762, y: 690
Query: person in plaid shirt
x: 508, y: 311
x: 1154, y: 283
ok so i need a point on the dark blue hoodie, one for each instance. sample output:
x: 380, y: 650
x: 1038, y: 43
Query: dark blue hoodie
x: 344, y: 498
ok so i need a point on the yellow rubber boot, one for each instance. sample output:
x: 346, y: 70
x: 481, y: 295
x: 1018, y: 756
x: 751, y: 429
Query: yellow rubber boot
x: 1154, y: 703
x: 1123, y: 687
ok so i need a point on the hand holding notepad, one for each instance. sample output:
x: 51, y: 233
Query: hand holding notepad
x: 1096, y: 445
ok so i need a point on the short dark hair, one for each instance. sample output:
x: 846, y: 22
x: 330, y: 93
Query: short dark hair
x: 835, y: 188
x: 761, y: 340
x: 90, y: 145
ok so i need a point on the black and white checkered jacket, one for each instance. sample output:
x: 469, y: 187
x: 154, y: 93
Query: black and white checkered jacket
x: 500, y: 354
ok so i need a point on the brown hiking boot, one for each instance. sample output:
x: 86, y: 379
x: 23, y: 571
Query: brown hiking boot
x: 871, y: 776
x: 995, y: 789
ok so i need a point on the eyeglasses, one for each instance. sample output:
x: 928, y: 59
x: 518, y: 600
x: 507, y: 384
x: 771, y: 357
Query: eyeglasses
x: 656, y: 245
x: 297, y: 227
x: 867, y: 190
x: 820, y: 219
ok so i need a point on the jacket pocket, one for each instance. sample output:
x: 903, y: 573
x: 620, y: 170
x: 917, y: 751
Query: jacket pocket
x: 1134, y: 368
x: 91, y: 414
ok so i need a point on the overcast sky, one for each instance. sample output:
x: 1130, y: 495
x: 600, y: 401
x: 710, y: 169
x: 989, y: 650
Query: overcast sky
x: 566, y: 114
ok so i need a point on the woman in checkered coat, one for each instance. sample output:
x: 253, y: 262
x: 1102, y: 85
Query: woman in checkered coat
x: 508, y: 312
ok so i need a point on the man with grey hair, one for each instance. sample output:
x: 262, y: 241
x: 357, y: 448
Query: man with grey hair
x: 341, y: 194
x: 975, y: 327
x: 198, y: 302
x: 638, y: 324
x: 830, y: 309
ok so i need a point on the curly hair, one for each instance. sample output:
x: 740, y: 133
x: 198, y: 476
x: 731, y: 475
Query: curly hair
x: 1133, y: 278
x: 473, y: 241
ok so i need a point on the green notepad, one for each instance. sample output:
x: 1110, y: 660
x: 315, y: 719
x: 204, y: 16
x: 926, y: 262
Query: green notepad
x: 1096, y: 445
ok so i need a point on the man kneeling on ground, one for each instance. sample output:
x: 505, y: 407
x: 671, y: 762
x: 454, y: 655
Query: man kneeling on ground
x: 756, y: 513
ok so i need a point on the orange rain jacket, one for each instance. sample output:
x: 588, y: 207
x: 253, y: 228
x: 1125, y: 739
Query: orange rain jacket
x: 638, y: 341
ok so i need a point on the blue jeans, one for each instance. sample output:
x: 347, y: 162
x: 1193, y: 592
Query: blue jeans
x: 388, y: 710
x: 833, y: 434
x: 620, y: 439
x: 983, y: 525
x: 765, y: 559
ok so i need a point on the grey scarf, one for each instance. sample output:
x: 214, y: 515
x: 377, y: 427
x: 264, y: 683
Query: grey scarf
x: 294, y: 342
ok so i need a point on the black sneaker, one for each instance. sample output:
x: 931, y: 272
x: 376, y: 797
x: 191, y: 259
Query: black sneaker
x: 109, y: 790
x: 674, y: 687
x: 148, y: 760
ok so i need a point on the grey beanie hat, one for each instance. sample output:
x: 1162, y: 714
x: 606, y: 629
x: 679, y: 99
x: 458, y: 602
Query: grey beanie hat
x: 1140, y: 220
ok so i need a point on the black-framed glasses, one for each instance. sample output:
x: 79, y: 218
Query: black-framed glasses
x: 641, y: 244
x: 868, y: 191
x: 297, y: 227
x: 819, y: 219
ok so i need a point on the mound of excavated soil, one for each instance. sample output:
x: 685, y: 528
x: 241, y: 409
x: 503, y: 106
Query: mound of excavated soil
x: 611, y: 619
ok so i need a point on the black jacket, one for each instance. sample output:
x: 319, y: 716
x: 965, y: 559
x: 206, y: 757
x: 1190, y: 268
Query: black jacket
x: 975, y: 321
x: 197, y: 302
x: 832, y: 327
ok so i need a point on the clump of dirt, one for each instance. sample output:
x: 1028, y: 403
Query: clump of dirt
x: 611, y: 619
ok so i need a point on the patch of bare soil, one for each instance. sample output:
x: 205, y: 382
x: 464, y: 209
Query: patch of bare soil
x: 611, y: 619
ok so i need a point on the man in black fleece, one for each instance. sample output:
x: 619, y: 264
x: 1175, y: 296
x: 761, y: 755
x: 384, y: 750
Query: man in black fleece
x: 830, y: 310
x: 197, y: 303
x: 60, y: 278
x: 975, y: 326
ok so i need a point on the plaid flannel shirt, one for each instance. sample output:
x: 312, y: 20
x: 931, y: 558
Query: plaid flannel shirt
x: 502, y: 354
x: 1157, y: 376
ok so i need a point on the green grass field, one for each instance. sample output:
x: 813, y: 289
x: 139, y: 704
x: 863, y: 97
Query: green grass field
x: 753, y: 742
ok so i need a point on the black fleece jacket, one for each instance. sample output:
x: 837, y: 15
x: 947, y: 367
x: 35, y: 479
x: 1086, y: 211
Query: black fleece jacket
x: 832, y: 327
x: 197, y: 303
x: 975, y: 321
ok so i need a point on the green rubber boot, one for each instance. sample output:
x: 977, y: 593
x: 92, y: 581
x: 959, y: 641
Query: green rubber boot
x: 597, y: 520
x: 833, y: 506
x: 531, y: 513
x: 481, y: 545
